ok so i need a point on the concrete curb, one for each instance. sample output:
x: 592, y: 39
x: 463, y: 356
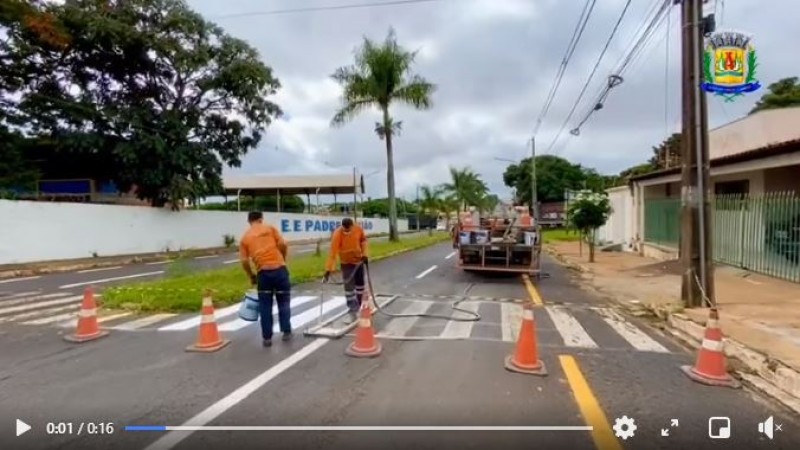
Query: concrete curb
x: 757, y: 370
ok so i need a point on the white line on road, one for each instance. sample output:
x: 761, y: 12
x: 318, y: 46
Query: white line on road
x: 308, y: 250
x: 73, y: 322
x: 37, y: 313
x: 427, y: 271
x: 636, y: 337
x: 14, y: 280
x: 22, y: 298
x: 460, y: 330
x: 206, y: 257
x: 450, y: 255
x: 38, y: 305
x: 173, y: 438
x: 238, y: 324
x: 570, y: 329
x: 401, y: 326
x: 99, y: 269
x: 510, y: 321
x: 156, y: 263
x: 106, y: 280
x: 52, y: 319
x: 144, y: 321
x: 310, y: 314
x: 195, y: 321
x: 231, y: 261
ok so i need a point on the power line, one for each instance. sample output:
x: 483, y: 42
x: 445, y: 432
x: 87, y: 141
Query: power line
x: 576, y: 36
x: 276, y: 12
x: 591, y: 75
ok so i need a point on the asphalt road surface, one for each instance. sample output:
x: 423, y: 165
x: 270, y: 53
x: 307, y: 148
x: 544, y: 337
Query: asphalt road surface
x: 602, y: 365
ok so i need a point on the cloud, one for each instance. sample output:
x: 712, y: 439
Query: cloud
x: 493, y: 62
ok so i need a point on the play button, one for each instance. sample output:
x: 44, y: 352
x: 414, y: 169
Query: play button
x: 22, y: 427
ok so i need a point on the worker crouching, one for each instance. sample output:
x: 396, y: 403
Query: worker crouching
x: 349, y: 244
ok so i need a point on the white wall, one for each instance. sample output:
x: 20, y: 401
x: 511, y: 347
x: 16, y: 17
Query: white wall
x: 42, y: 231
x: 619, y: 227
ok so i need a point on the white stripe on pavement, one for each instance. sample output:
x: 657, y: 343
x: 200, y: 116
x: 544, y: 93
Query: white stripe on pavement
x: 460, y: 330
x: 37, y: 313
x: 401, y: 326
x: 12, y: 295
x: 450, y: 255
x: 427, y: 271
x: 510, y: 321
x: 636, y: 337
x: 206, y: 257
x: 38, y: 305
x: 14, y: 280
x: 195, y: 321
x: 173, y: 438
x: 100, y: 269
x: 52, y: 319
x: 144, y: 321
x: 155, y: 263
x: 570, y: 330
x: 106, y: 280
x: 239, y: 323
x: 310, y: 314
x: 231, y: 261
x: 100, y: 319
x: 17, y: 299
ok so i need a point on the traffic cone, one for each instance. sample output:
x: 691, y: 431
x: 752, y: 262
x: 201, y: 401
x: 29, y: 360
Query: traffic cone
x: 526, y: 358
x: 365, y: 345
x: 208, y: 339
x: 710, y: 368
x: 88, y: 329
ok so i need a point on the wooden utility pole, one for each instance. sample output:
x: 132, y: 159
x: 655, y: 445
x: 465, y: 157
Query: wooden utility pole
x: 695, y: 242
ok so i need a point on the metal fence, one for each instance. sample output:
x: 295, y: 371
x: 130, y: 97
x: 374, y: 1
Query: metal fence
x: 757, y: 233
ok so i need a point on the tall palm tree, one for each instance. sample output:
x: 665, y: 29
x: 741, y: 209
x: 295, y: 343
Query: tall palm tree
x: 466, y: 186
x: 381, y: 76
x: 430, y: 200
x: 449, y: 204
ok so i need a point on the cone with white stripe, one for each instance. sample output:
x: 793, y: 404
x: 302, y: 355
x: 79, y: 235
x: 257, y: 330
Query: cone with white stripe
x: 526, y: 357
x: 208, y: 339
x: 710, y: 367
x: 365, y: 345
x: 88, y: 329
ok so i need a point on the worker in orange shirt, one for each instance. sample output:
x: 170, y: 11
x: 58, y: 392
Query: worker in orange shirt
x: 349, y: 243
x: 264, y: 246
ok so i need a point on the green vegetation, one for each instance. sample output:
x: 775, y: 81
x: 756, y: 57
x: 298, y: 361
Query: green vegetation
x: 181, y: 291
x: 559, y: 235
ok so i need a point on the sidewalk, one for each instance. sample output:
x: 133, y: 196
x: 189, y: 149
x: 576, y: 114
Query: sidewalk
x: 759, y: 315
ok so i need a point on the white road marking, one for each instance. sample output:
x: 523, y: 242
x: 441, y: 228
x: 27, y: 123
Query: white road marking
x: 195, y: 321
x: 52, y: 319
x: 238, y: 323
x: 100, y: 319
x: 450, y: 255
x: 570, y: 329
x: 460, y: 330
x: 510, y: 321
x: 156, y: 263
x: 636, y: 337
x: 172, y: 438
x: 308, y: 250
x: 427, y: 271
x: 309, y: 315
x: 14, y: 280
x: 38, y: 313
x: 17, y: 299
x: 100, y: 269
x: 206, y: 257
x: 401, y: 326
x: 144, y: 321
x: 13, y: 295
x: 231, y: 261
x: 38, y: 305
x: 106, y: 280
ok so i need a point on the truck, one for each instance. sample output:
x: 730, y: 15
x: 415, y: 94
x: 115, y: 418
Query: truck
x: 510, y: 244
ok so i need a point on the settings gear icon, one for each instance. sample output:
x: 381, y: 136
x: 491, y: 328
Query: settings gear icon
x: 624, y: 427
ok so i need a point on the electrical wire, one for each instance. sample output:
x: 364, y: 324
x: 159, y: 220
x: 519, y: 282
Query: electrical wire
x: 275, y: 12
x: 576, y: 37
x: 591, y: 75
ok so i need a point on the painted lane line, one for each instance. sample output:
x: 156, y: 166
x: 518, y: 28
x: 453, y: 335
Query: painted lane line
x: 427, y: 271
x: 206, y: 257
x: 172, y: 439
x: 53, y: 319
x: 460, y: 330
x: 533, y: 293
x: 38, y: 305
x: 14, y: 280
x: 311, y: 314
x: 450, y: 255
x: 16, y: 300
x: 238, y: 323
x: 570, y: 329
x: 12, y: 295
x: 100, y: 269
x: 195, y: 321
x: 106, y: 280
x: 38, y: 313
x: 156, y: 263
x: 636, y: 337
x: 100, y: 319
x: 510, y: 321
x: 231, y: 261
x: 144, y: 321
x: 401, y: 326
x: 593, y: 414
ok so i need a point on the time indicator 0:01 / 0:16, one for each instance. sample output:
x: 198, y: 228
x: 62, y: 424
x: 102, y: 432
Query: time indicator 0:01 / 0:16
x: 81, y: 428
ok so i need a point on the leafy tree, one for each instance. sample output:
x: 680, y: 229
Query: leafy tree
x: 146, y: 91
x: 466, y: 186
x: 269, y: 203
x: 588, y: 212
x: 554, y: 176
x: 668, y: 153
x: 783, y: 93
x: 430, y: 201
x: 380, y: 77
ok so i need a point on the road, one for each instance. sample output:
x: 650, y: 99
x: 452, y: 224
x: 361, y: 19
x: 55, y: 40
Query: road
x: 431, y: 372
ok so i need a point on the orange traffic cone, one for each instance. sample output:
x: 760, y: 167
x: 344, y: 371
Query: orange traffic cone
x: 87, y: 330
x: 208, y: 339
x: 526, y: 358
x: 365, y: 345
x: 710, y: 368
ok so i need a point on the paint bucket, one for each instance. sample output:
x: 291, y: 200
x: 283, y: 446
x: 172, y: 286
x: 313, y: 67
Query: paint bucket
x: 248, y: 310
x: 482, y: 237
x: 530, y: 238
x: 464, y: 237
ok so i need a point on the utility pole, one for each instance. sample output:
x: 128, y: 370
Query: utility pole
x: 418, y: 226
x: 695, y: 242
x: 355, y: 195
x: 534, y: 197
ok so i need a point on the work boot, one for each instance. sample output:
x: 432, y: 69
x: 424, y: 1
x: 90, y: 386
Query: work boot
x: 351, y: 317
x: 287, y: 336
x: 266, y: 342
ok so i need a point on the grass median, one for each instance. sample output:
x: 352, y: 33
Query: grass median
x: 181, y: 292
x: 559, y: 235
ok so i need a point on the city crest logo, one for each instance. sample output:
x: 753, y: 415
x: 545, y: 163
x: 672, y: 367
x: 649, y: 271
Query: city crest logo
x: 730, y: 65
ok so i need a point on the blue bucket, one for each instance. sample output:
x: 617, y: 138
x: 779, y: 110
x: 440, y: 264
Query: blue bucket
x: 248, y: 309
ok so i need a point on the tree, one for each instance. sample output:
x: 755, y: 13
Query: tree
x: 466, y: 186
x: 148, y: 92
x: 380, y: 77
x: 784, y: 93
x: 554, y: 176
x: 430, y: 201
x: 588, y: 212
x: 668, y: 153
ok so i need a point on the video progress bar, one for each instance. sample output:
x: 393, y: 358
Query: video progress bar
x: 355, y: 428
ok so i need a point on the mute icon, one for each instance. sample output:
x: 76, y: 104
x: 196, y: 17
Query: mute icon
x: 768, y: 427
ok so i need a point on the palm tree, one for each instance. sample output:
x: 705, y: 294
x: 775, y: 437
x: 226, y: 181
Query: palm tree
x: 448, y: 205
x: 430, y: 200
x: 488, y: 203
x: 466, y: 186
x: 381, y: 76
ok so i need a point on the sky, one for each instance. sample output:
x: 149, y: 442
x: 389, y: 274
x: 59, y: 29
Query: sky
x: 493, y: 63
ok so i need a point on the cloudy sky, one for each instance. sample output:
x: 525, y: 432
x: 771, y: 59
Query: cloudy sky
x: 493, y: 62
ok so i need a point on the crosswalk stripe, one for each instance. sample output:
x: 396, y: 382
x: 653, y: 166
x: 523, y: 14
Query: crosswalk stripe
x: 460, y: 330
x: 195, y: 321
x: 570, y: 329
x: 310, y: 314
x: 17, y: 299
x: 12, y: 295
x: 636, y: 337
x: 14, y: 280
x: 52, y: 319
x: 510, y: 321
x: 400, y: 326
x: 73, y: 321
x: 238, y: 323
x: 144, y: 321
x: 37, y: 305
x: 37, y: 313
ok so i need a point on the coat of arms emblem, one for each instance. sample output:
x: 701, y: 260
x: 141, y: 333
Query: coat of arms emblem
x: 730, y: 65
